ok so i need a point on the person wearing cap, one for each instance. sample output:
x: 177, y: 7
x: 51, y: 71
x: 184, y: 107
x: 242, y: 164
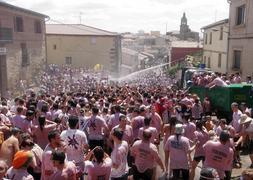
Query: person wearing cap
x: 146, y: 157
x: 218, y: 154
x: 10, y: 146
x: 21, y: 161
x: 178, y: 150
x: 247, y: 130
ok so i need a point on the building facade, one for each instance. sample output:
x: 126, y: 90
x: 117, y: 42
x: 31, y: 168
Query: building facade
x: 241, y: 37
x: 215, y: 46
x: 22, y: 42
x: 179, y: 50
x: 83, y: 46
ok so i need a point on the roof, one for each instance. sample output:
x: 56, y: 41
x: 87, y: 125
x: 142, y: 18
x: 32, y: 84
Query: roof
x: 10, y: 6
x: 224, y: 21
x: 76, y: 30
x: 186, y: 44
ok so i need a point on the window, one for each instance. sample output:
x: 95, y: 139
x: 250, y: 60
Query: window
x: 211, y: 36
x: 18, y: 24
x: 68, y: 60
x: 209, y: 62
x: 221, y: 33
x: 37, y: 26
x: 54, y: 47
x: 24, y: 54
x: 237, y: 59
x: 204, y: 59
x: 240, y: 15
x: 219, y: 60
x: 206, y: 38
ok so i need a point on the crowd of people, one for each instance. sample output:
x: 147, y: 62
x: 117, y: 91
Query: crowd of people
x: 208, y: 79
x: 80, y: 127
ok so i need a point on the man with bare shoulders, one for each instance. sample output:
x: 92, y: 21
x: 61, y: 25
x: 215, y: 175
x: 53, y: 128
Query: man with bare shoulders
x: 10, y: 146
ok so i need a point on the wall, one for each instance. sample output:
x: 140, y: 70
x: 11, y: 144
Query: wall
x: 241, y: 38
x: 35, y: 44
x: 86, y: 51
x: 179, y: 53
x: 217, y: 47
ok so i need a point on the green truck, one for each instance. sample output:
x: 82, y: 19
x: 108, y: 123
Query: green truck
x: 222, y: 97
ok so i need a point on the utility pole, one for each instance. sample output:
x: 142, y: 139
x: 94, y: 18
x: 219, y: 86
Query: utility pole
x: 80, y: 17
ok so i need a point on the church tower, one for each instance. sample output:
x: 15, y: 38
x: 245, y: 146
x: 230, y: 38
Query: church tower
x: 184, y: 28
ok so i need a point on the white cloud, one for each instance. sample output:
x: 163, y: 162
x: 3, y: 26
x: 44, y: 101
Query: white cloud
x: 131, y: 15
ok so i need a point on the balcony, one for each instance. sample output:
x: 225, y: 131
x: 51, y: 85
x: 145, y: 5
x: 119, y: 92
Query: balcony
x: 6, y: 35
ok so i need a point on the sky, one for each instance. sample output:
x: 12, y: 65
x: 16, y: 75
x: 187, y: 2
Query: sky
x: 130, y: 15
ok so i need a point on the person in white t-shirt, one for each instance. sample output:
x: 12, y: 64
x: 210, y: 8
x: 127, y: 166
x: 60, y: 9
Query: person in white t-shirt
x: 119, y: 156
x: 76, y: 142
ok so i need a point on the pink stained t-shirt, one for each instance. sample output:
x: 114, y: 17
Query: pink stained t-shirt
x: 156, y: 122
x: 189, y: 129
x: 95, y: 125
x: 18, y: 174
x: 98, y: 171
x: 119, y: 157
x: 218, y: 156
x: 146, y: 155
x: 68, y: 173
x: 17, y: 120
x: 128, y: 134
x: 202, y: 137
x: 114, y: 120
x: 47, y: 163
x: 137, y: 123
x: 178, y: 151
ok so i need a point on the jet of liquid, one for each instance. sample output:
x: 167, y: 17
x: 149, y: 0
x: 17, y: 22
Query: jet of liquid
x: 137, y: 73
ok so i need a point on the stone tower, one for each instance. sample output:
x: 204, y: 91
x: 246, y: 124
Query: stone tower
x: 184, y: 28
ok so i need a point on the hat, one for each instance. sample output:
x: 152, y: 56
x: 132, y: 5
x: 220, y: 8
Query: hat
x: 179, y: 129
x: 244, y: 119
x: 21, y: 158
